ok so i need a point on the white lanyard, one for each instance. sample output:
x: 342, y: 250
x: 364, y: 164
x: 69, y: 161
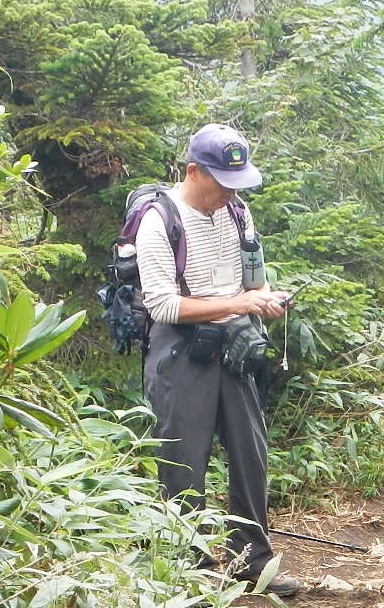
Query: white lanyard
x: 284, y: 363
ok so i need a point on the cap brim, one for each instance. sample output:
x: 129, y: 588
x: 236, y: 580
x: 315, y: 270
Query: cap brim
x: 246, y: 177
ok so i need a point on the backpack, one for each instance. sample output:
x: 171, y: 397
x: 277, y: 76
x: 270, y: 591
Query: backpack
x: 121, y: 295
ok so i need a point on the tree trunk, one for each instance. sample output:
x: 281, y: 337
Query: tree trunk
x: 248, y: 64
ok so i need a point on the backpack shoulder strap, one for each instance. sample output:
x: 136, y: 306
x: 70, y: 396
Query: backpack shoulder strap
x: 169, y: 213
x: 236, y: 210
x: 175, y: 231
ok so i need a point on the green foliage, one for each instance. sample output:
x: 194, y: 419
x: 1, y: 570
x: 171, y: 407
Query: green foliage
x: 33, y: 417
x: 76, y: 518
x: 28, y: 333
x: 98, y: 527
x: 12, y: 173
x: 135, y: 78
x: 106, y: 67
x: 330, y: 434
x: 185, y: 30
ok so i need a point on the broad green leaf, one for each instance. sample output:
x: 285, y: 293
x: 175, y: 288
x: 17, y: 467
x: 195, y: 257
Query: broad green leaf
x: 149, y: 464
x: 66, y: 470
x: 229, y: 595
x: 93, y: 408
x: 63, y: 547
x: 146, y: 602
x: 4, y: 250
x: 160, y: 566
x: 6, y: 555
x: 14, y: 416
x: 376, y: 417
x: 124, y: 496
x: 3, y: 318
x: 242, y: 520
x: 9, y: 505
x: 86, y: 511
x: 74, y: 523
x: 41, y: 307
x: 20, y: 319
x: 138, y: 411
x: 52, y: 341
x: 50, y: 220
x: 4, y: 346
x: 97, y: 427
x: 75, y: 496
x: 56, y: 509
x: 7, y: 459
x: 182, y: 601
x: 45, y: 322
x: 37, y: 411
x: 306, y: 340
x: 21, y: 532
x: 51, y: 590
x: 275, y: 601
x: 25, y: 163
x: 269, y: 571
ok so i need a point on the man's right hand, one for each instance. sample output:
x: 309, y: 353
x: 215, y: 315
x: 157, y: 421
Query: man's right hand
x: 260, y: 302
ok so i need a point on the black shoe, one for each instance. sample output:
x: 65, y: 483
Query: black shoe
x: 206, y: 562
x: 281, y: 585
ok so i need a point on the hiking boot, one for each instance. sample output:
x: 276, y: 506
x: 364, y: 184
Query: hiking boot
x: 207, y: 563
x: 281, y: 585
x: 203, y: 560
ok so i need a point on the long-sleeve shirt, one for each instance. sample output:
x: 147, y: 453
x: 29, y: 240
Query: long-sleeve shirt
x: 213, y: 250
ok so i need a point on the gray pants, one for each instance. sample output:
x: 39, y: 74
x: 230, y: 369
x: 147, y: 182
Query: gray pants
x: 193, y: 402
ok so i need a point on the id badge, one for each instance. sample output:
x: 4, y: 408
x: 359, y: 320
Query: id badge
x: 222, y: 274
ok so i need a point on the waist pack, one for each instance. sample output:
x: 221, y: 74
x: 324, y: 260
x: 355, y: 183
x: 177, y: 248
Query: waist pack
x: 206, y: 343
x: 245, y: 344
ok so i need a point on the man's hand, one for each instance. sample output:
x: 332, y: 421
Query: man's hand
x: 274, y: 308
x: 260, y: 302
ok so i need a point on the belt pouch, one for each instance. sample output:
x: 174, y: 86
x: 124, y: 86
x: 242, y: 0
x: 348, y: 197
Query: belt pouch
x: 205, y: 344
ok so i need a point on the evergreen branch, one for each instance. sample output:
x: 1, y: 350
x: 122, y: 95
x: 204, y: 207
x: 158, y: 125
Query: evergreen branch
x: 99, y: 82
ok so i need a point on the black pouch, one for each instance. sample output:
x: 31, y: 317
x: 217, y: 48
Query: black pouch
x: 206, y: 343
x: 245, y: 345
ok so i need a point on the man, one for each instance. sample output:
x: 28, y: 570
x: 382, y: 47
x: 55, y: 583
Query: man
x: 194, y: 399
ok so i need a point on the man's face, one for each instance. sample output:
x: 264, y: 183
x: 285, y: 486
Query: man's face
x: 210, y: 193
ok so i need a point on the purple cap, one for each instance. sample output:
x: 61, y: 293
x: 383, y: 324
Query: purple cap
x: 224, y: 152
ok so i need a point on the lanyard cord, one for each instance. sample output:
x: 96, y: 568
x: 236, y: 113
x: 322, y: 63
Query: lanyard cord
x: 284, y: 362
x: 202, y: 219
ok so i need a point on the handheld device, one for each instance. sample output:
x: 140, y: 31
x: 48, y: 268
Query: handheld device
x: 291, y: 296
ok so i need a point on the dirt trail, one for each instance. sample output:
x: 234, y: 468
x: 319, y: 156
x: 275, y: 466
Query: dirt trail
x: 332, y: 577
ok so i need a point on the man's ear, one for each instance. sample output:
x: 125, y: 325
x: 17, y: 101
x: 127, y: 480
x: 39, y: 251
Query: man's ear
x: 191, y: 171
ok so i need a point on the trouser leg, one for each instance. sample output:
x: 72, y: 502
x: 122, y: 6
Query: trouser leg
x: 192, y: 401
x: 261, y: 379
x: 184, y: 398
x: 242, y: 431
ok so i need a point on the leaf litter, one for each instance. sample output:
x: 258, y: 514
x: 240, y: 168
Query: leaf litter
x: 331, y: 577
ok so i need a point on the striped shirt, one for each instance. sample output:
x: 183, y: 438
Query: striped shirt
x: 213, y: 248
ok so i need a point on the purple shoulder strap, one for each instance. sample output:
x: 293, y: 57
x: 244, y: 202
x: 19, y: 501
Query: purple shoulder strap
x: 174, y: 227
x: 236, y: 210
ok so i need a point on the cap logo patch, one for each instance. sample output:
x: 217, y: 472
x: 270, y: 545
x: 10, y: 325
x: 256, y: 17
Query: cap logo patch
x: 234, y: 155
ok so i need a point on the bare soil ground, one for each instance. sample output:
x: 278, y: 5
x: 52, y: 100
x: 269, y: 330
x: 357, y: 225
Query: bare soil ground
x: 332, y: 577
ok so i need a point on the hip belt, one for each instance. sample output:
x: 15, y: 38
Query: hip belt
x: 204, y: 341
x: 240, y: 344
